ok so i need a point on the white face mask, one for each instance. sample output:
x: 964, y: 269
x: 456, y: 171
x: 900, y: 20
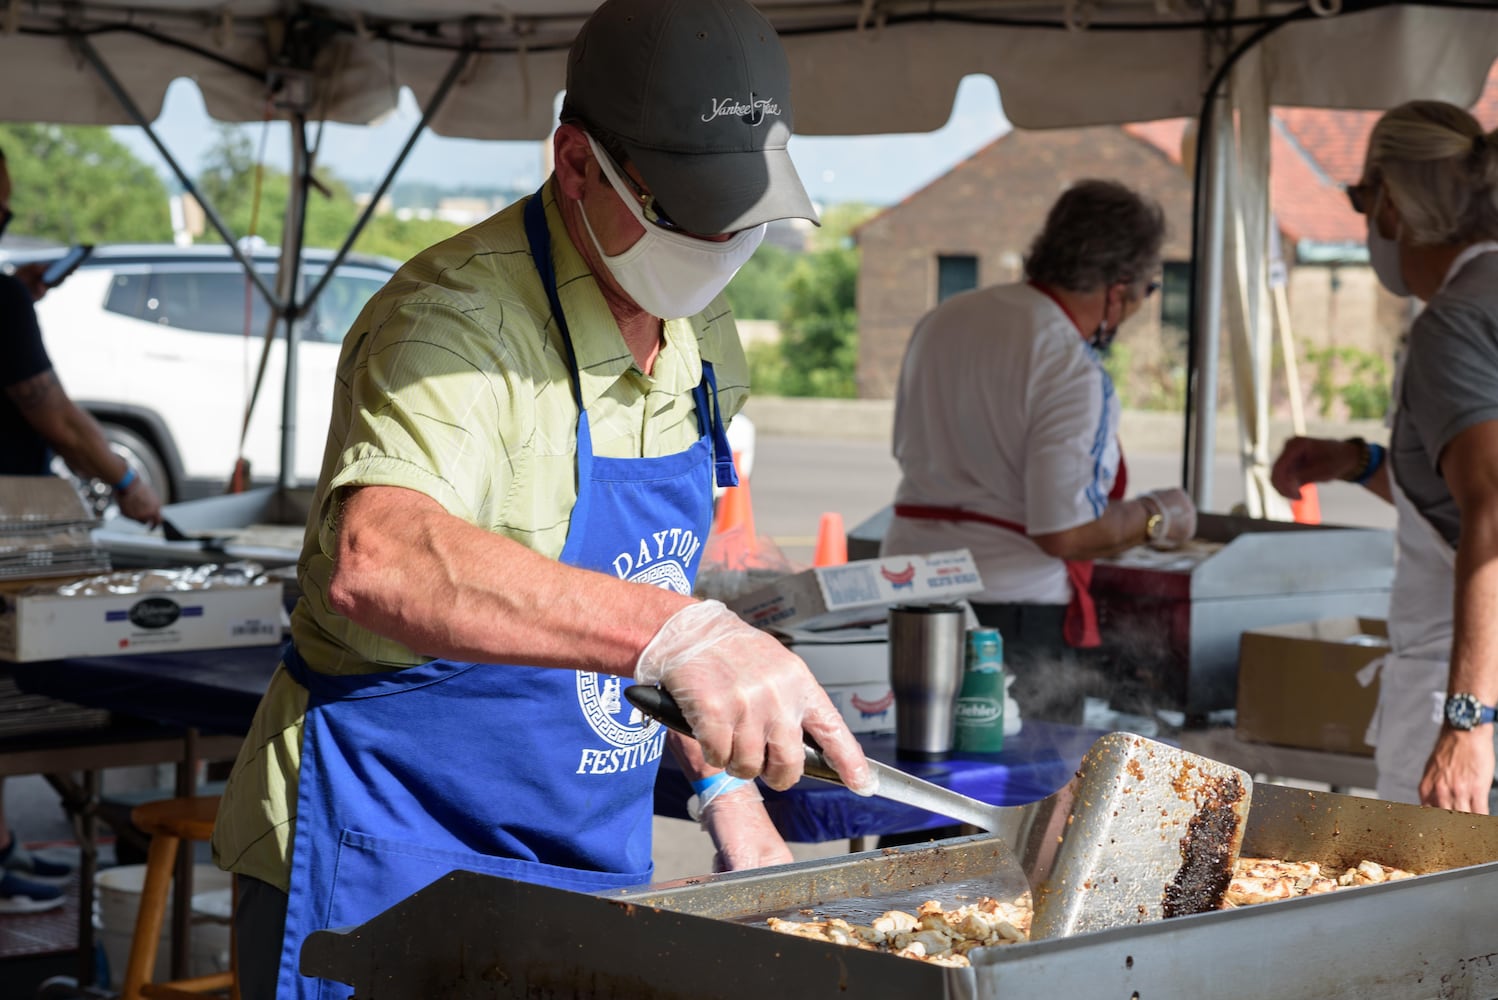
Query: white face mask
x: 1383, y: 255
x: 670, y: 275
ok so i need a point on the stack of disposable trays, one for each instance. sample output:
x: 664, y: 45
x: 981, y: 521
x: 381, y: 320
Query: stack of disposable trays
x: 22, y: 714
x: 46, y: 530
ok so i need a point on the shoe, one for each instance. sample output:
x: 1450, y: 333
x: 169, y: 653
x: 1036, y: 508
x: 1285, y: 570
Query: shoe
x: 22, y: 895
x: 18, y: 859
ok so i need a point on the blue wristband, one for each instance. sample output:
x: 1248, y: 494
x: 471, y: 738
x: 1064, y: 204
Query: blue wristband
x: 125, y: 480
x: 710, y: 784
x: 1376, y: 454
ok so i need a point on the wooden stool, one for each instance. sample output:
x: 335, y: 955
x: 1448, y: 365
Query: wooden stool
x: 168, y: 823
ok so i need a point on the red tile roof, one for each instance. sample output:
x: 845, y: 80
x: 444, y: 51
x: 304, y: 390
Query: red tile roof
x: 1309, y: 205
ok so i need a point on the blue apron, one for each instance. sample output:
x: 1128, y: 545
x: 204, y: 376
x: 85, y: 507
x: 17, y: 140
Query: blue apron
x: 532, y: 773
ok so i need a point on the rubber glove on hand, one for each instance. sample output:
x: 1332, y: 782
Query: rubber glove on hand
x: 742, y: 832
x: 748, y: 699
x: 1179, y: 513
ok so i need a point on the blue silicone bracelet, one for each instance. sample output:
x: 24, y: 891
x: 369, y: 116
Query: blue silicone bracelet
x: 1376, y: 454
x: 125, y: 480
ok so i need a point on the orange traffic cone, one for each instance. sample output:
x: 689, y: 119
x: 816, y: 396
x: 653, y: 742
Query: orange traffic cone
x: 735, y: 510
x: 1307, y: 510
x: 832, y: 541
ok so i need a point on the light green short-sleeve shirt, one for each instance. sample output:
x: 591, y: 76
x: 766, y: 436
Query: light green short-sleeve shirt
x: 453, y: 382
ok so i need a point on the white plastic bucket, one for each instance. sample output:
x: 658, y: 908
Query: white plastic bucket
x: 212, y: 907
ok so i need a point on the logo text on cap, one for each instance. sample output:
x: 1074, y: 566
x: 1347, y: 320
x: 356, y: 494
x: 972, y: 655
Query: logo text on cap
x: 753, y: 113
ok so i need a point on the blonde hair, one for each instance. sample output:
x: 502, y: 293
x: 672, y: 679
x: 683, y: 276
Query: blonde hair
x: 1441, y: 169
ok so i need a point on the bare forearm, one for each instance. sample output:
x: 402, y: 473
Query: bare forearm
x: 86, y: 450
x: 1121, y: 527
x: 408, y: 570
x: 1474, y: 652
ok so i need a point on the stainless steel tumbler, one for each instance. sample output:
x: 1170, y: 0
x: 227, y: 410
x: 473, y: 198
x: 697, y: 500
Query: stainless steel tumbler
x: 925, y: 671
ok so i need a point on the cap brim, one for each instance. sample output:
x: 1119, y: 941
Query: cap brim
x: 714, y: 193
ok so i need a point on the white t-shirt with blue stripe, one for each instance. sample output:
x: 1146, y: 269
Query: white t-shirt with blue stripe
x: 1003, y: 409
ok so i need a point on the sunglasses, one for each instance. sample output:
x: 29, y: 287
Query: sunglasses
x: 5, y: 216
x: 1362, y: 196
x: 651, y: 209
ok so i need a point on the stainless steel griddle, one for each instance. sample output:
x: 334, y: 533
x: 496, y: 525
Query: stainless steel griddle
x: 1172, y: 621
x: 477, y: 936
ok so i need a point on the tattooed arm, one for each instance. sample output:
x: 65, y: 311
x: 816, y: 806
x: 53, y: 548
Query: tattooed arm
x: 77, y: 437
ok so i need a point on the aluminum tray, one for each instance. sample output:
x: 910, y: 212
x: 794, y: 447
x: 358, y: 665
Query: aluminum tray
x: 477, y: 936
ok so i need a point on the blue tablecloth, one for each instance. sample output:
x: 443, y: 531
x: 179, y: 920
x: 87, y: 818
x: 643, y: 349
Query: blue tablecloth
x: 1034, y: 763
x: 216, y: 690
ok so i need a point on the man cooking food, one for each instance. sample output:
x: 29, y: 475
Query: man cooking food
x: 1006, y: 432
x: 527, y: 424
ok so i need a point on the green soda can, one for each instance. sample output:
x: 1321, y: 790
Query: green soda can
x: 980, y: 704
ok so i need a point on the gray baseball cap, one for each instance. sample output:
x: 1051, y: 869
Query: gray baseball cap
x: 698, y: 93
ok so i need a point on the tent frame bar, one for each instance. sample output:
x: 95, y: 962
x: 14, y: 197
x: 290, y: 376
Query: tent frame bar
x: 118, y: 92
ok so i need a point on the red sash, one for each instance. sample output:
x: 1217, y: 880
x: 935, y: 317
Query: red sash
x: 1080, y: 626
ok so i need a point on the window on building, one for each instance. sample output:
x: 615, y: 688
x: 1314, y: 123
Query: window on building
x: 955, y: 273
x: 1175, y: 295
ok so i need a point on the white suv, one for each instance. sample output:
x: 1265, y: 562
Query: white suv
x: 152, y: 340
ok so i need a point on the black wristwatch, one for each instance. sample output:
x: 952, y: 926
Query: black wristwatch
x: 1464, y: 711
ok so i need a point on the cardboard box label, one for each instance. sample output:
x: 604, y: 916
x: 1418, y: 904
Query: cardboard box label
x: 832, y: 596
x: 866, y: 708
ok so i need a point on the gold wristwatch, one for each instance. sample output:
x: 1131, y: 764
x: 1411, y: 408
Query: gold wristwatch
x: 1154, y: 525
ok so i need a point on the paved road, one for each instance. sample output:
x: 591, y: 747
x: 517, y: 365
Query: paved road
x: 796, y: 479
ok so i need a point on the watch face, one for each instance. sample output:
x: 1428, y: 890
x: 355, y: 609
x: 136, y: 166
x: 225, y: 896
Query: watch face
x: 1463, y: 711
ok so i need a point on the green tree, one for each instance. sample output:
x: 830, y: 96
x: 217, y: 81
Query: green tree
x: 819, y: 339
x: 229, y: 180
x: 78, y: 184
x: 758, y: 290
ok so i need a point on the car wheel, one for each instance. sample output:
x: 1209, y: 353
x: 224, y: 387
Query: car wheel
x: 134, y: 449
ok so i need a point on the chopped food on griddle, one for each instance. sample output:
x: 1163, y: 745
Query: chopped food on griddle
x: 932, y: 934
x: 944, y: 937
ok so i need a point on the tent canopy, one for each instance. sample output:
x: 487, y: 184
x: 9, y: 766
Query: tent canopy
x: 491, y: 69
x: 872, y: 66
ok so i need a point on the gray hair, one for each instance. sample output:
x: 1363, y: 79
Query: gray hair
x: 1441, y: 169
x: 1099, y: 233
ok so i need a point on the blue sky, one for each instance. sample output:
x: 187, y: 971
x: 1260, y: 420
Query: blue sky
x: 876, y: 169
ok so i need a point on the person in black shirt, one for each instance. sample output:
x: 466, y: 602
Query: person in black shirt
x: 38, y: 419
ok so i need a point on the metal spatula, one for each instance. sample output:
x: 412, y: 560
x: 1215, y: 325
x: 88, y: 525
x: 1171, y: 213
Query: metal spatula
x: 1143, y: 831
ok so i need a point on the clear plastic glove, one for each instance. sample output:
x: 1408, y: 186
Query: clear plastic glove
x: 1179, y: 514
x: 742, y: 832
x: 748, y: 699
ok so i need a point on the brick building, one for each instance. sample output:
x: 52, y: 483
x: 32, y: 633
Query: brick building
x: 971, y: 227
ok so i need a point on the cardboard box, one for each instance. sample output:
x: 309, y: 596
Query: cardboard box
x: 852, y: 665
x: 858, y: 592
x: 50, y: 626
x: 1297, y: 684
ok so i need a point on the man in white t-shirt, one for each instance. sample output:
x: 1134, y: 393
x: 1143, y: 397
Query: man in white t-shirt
x: 1006, y: 431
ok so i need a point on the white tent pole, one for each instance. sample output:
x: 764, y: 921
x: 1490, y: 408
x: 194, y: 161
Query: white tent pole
x: 289, y: 277
x: 133, y: 110
x: 1209, y: 293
